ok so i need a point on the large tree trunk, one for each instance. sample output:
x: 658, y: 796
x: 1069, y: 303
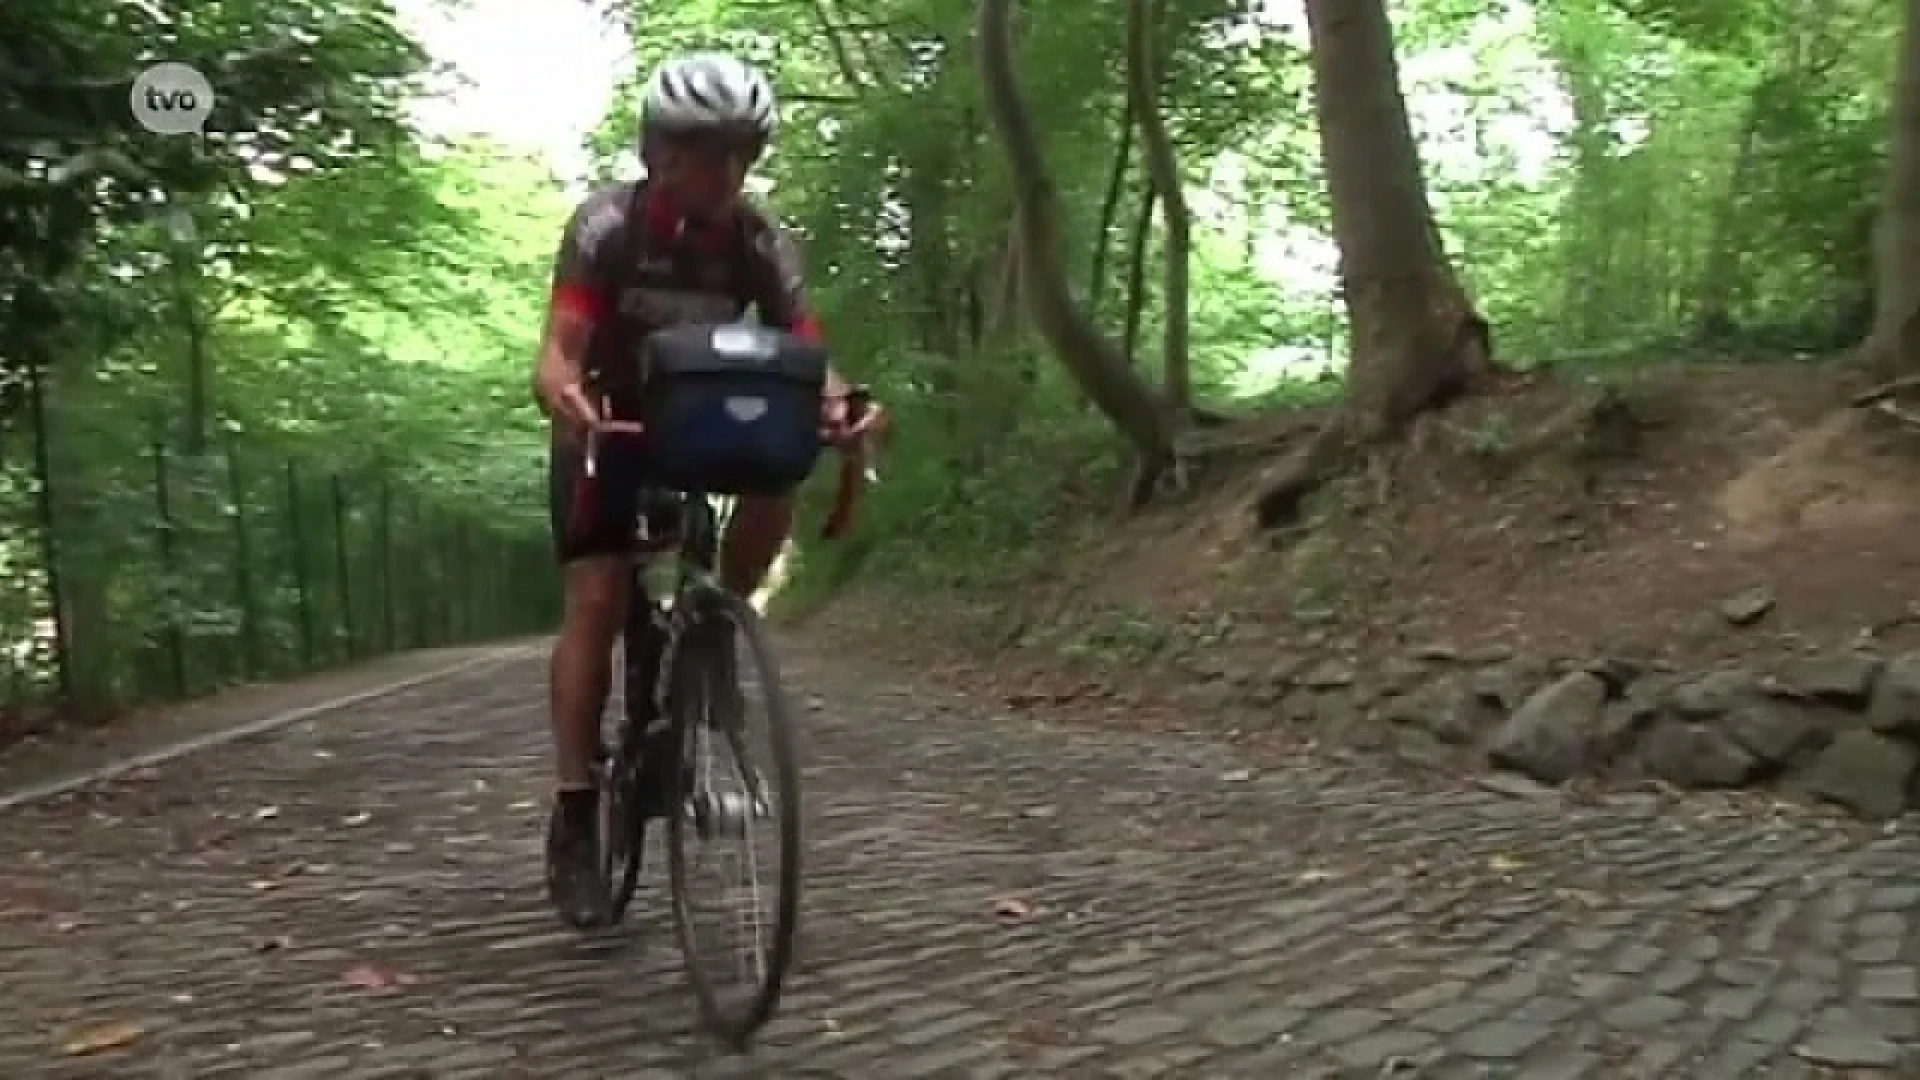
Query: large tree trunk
x: 1095, y: 362
x: 1894, y: 343
x: 1143, y: 90
x: 1417, y: 340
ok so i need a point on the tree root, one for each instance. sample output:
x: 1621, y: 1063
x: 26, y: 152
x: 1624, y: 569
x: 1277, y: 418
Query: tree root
x: 1883, y: 399
x: 1285, y: 489
x: 1876, y: 394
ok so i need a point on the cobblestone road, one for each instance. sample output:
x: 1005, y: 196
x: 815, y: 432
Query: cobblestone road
x: 1189, y: 917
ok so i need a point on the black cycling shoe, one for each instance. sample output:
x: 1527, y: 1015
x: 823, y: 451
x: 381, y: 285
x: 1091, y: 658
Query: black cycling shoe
x: 575, y: 883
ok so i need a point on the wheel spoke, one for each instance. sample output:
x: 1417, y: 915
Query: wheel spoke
x: 730, y: 800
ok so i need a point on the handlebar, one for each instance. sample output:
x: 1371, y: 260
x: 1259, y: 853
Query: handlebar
x: 855, y: 473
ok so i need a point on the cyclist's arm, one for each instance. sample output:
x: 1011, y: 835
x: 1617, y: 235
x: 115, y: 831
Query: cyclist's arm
x: 578, y: 298
x: 783, y: 303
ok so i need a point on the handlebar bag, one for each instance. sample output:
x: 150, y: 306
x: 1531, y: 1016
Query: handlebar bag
x: 730, y: 410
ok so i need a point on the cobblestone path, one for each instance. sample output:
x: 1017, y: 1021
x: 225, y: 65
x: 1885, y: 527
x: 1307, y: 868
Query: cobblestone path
x: 357, y: 896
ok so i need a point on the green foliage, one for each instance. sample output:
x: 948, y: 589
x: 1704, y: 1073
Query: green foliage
x: 284, y: 364
x: 1609, y: 176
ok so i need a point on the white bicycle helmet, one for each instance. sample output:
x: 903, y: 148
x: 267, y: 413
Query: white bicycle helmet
x: 708, y: 92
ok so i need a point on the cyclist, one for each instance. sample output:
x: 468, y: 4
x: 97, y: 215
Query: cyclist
x: 681, y: 246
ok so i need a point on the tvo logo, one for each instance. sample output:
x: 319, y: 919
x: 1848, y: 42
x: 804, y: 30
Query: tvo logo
x: 171, y: 99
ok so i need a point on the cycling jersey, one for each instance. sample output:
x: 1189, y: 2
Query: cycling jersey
x: 632, y: 263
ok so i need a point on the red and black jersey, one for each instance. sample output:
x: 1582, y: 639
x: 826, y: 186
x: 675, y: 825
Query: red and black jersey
x: 633, y: 264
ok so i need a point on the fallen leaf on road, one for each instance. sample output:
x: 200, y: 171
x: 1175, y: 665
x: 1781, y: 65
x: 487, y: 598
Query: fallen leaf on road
x: 376, y: 977
x: 110, y: 1036
x: 1012, y: 908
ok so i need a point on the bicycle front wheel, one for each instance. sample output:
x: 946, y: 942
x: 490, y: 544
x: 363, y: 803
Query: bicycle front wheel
x: 734, y: 840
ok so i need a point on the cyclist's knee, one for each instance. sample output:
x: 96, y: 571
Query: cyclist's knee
x: 596, y: 598
x: 763, y: 517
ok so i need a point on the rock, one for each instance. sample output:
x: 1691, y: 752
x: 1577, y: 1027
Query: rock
x: 1297, y: 707
x: 1244, y: 674
x: 1329, y: 675
x: 1507, y: 684
x: 1447, y: 710
x: 1210, y: 697
x: 1514, y: 786
x: 1618, y: 672
x: 1438, y: 652
x: 1621, y: 724
x: 1775, y: 731
x: 1649, y: 694
x: 1285, y: 670
x: 1690, y: 754
x: 1714, y: 694
x: 1748, y: 606
x: 1865, y: 772
x: 1338, y: 718
x: 1840, y: 678
x: 1552, y: 736
x: 1401, y: 675
x: 1895, y: 704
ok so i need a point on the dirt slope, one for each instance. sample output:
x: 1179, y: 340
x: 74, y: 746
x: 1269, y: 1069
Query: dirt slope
x: 1681, y: 514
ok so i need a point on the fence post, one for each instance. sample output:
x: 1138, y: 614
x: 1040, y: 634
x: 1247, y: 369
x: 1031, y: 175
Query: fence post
x: 243, y: 557
x: 384, y: 530
x: 340, y: 560
x: 299, y: 565
x: 416, y: 575
x: 169, y: 570
x: 461, y: 598
x: 43, y: 503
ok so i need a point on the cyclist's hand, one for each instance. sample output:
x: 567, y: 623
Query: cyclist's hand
x: 833, y: 419
x: 838, y: 430
x: 579, y: 417
x: 872, y: 419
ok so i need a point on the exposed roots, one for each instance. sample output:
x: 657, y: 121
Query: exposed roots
x: 1285, y: 489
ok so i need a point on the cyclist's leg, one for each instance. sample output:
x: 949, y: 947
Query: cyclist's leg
x: 645, y: 646
x: 756, y: 532
x: 592, y: 538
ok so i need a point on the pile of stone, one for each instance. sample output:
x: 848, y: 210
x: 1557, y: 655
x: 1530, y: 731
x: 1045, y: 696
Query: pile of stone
x: 1841, y: 727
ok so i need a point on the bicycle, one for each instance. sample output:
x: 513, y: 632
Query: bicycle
x: 700, y: 620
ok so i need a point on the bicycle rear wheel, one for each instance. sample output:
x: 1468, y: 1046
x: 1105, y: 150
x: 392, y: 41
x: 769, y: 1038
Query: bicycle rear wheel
x: 728, y: 791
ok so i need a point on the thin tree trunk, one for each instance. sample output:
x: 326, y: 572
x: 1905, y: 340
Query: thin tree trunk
x: 1143, y: 87
x: 1110, y: 206
x: 1093, y: 359
x: 1137, y: 269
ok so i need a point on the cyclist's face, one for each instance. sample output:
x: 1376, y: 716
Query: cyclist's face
x: 705, y: 175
